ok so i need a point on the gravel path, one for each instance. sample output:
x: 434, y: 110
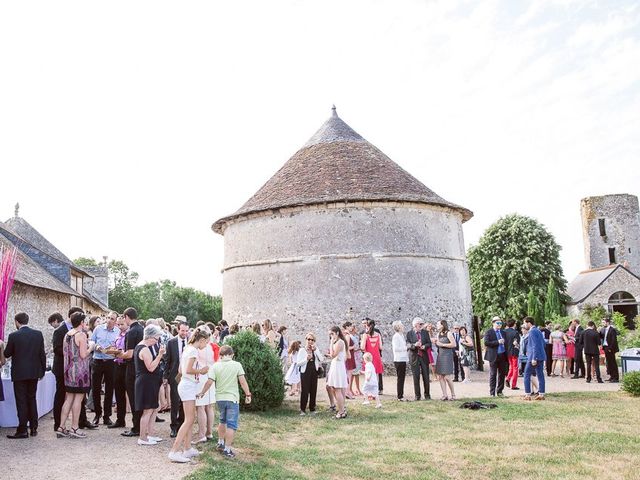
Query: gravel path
x: 106, y: 454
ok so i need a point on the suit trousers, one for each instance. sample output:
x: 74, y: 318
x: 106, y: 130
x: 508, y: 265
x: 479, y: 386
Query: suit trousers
x: 612, y: 366
x: 539, y: 369
x: 420, y: 367
x: 177, y: 410
x: 131, y: 393
x: 102, y: 370
x: 512, y: 376
x: 498, y: 371
x: 309, y: 387
x: 593, y: 361
x: 578, y: 368
x: 58, y: 401
x: 401, y: 372
x: 458, y: 371
x: 120, y: 389
x: 548, y: 349
x: 24, y: 392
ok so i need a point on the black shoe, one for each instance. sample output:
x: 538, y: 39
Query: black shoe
x: 34, y: 432
x: 589, y: 380
x: 507, y: 383
x: 96, y: 420
x: 88, y: 425
x: 130, y: 433
x: 600, y: 381
x: 18, y: 435
x: 574, y: 377
x: 612, y: 380
x: 107, y: 422
x: 515, y: 388
x: 456, y: 380
x: 174, y: 433
x: 159, y: 420
x: 116, y: 425
x: 500, y: 394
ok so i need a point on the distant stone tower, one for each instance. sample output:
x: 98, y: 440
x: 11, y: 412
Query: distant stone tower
x: 611, y: 230
x: 341, y: 232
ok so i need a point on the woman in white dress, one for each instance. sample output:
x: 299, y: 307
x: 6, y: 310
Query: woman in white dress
x: 337, y: 376
x: 204, y: 406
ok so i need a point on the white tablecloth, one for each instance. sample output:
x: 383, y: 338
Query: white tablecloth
x: 44, y: 397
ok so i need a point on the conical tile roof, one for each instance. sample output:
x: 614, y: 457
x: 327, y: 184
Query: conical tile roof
x: 338, y: 165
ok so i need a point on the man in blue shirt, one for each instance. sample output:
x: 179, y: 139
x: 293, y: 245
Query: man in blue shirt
x: 103, y: 367
x: 536, y: 356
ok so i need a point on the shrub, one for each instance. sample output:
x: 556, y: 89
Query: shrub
x: 631, y: 340
x: 631, y: 383
x: 263, y: 371
x: 619, y: 321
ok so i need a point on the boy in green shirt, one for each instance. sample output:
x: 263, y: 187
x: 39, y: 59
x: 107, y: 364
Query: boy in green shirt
x: 226, y: 374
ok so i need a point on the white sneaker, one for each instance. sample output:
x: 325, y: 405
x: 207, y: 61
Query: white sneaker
x: 149, y: 441
x: 366, y: 402
x: 156, y: 439
x: 200, y: 440
x: 177, y: 457
x: 192, y: 452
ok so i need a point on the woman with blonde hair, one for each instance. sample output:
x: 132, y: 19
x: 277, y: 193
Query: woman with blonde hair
x: 188, y: 388
x: 270, y: 335
x: 292, y: 377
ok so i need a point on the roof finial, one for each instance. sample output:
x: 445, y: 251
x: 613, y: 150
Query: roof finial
x: 333, y: 111
x: 17, y: 209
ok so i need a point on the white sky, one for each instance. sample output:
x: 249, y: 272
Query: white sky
x: 128, y: 127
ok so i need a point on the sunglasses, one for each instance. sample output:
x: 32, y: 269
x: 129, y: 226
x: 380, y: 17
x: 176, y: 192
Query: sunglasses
x: 311, y: 340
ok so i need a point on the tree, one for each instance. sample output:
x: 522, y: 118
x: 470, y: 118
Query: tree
x: 534, y: 308
x: 86, y: 262
x: 552, y: 307
x: 514, y: 256
x: 122, y: 282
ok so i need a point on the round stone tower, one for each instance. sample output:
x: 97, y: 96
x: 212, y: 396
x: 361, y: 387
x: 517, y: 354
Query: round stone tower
x: 611, y: 231
x: 339, y: 233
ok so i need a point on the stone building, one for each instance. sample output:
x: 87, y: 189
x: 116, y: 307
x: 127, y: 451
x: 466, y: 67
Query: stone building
x: 341, y: 232
x: 611, y: 232
x: 47, y: 281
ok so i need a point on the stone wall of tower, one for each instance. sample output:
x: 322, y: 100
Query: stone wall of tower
x: 316, y: 266
x: 621, y: 218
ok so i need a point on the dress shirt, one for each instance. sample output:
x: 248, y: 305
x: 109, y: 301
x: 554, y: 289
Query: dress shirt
x: 104, y: 338
x: 501, y: 348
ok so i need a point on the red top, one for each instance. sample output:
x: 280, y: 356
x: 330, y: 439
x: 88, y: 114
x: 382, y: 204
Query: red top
x: 216, y: 351
x: 372, y: 345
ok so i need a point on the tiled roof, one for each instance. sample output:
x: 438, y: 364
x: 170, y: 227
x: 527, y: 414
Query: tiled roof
x: 588, y: 281
x: 338, y: 165
x: 24, y: 230
x: 30, y: 273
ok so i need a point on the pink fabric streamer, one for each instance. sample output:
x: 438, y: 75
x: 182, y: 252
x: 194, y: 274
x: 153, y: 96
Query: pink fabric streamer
x: 8, y: 267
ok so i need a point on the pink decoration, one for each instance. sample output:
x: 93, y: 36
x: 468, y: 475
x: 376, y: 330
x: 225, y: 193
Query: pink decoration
x: 8, y: 267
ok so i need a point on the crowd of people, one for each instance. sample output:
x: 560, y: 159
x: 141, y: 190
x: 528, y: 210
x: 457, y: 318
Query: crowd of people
x: 154, y: 367
x: 533, y: 352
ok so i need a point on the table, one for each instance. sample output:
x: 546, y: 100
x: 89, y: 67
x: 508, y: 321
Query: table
x: 44, y: 397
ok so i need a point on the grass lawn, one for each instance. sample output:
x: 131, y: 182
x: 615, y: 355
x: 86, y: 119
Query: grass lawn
x: 564, y: 437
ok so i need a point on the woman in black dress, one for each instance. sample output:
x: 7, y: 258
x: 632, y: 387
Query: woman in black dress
x: 147, y: 359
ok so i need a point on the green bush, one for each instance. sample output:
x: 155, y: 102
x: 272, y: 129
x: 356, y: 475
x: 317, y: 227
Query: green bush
x: 631, y: 340
x: 631, y: 383
x: 619, y: 321
x: 262, y: 369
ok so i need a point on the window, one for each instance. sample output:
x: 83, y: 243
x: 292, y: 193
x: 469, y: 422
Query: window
x: 612, y: 255
x: 603, y: 230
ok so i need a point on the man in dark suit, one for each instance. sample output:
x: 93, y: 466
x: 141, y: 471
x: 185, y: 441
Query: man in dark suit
x: 418, y: 341
x: 512, y: 344
x: 58, y: 369
x: 26, y: 346
x: 457, y: 368
x: 134, y: 336
x: 496, y: 355
x: 175, y: 347
x: 546, y: 331
x: 609, y: 337
x: 578, y: 367
x: 591, y: 341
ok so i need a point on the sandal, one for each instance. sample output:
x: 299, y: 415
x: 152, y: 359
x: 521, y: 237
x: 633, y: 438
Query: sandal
x: 74, y: 433
x: 444, y: 398
x: 62, y: 433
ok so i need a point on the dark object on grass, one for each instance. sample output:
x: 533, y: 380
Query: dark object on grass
x: 478, y: 405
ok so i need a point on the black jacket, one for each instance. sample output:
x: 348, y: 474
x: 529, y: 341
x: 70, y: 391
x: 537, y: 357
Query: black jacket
x: 56, y: 343
x: 578, y: 336
x: 26, y: 348
x: 592, y: 342
x: 172, y: 359
x: 491, y: 345
x: 412, y: 339
x: 510, y: 335
x: 612, y: 339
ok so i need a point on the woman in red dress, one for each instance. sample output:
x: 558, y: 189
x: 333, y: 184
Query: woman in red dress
x: 570, y: 346
x: 372, y: 343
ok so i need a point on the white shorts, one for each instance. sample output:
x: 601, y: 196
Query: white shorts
x: 188, y: 390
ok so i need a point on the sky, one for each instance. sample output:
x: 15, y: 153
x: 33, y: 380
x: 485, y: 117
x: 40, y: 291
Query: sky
x: 128, y: 127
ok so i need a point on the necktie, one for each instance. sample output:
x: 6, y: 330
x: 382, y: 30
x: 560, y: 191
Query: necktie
x: 182, y: 349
